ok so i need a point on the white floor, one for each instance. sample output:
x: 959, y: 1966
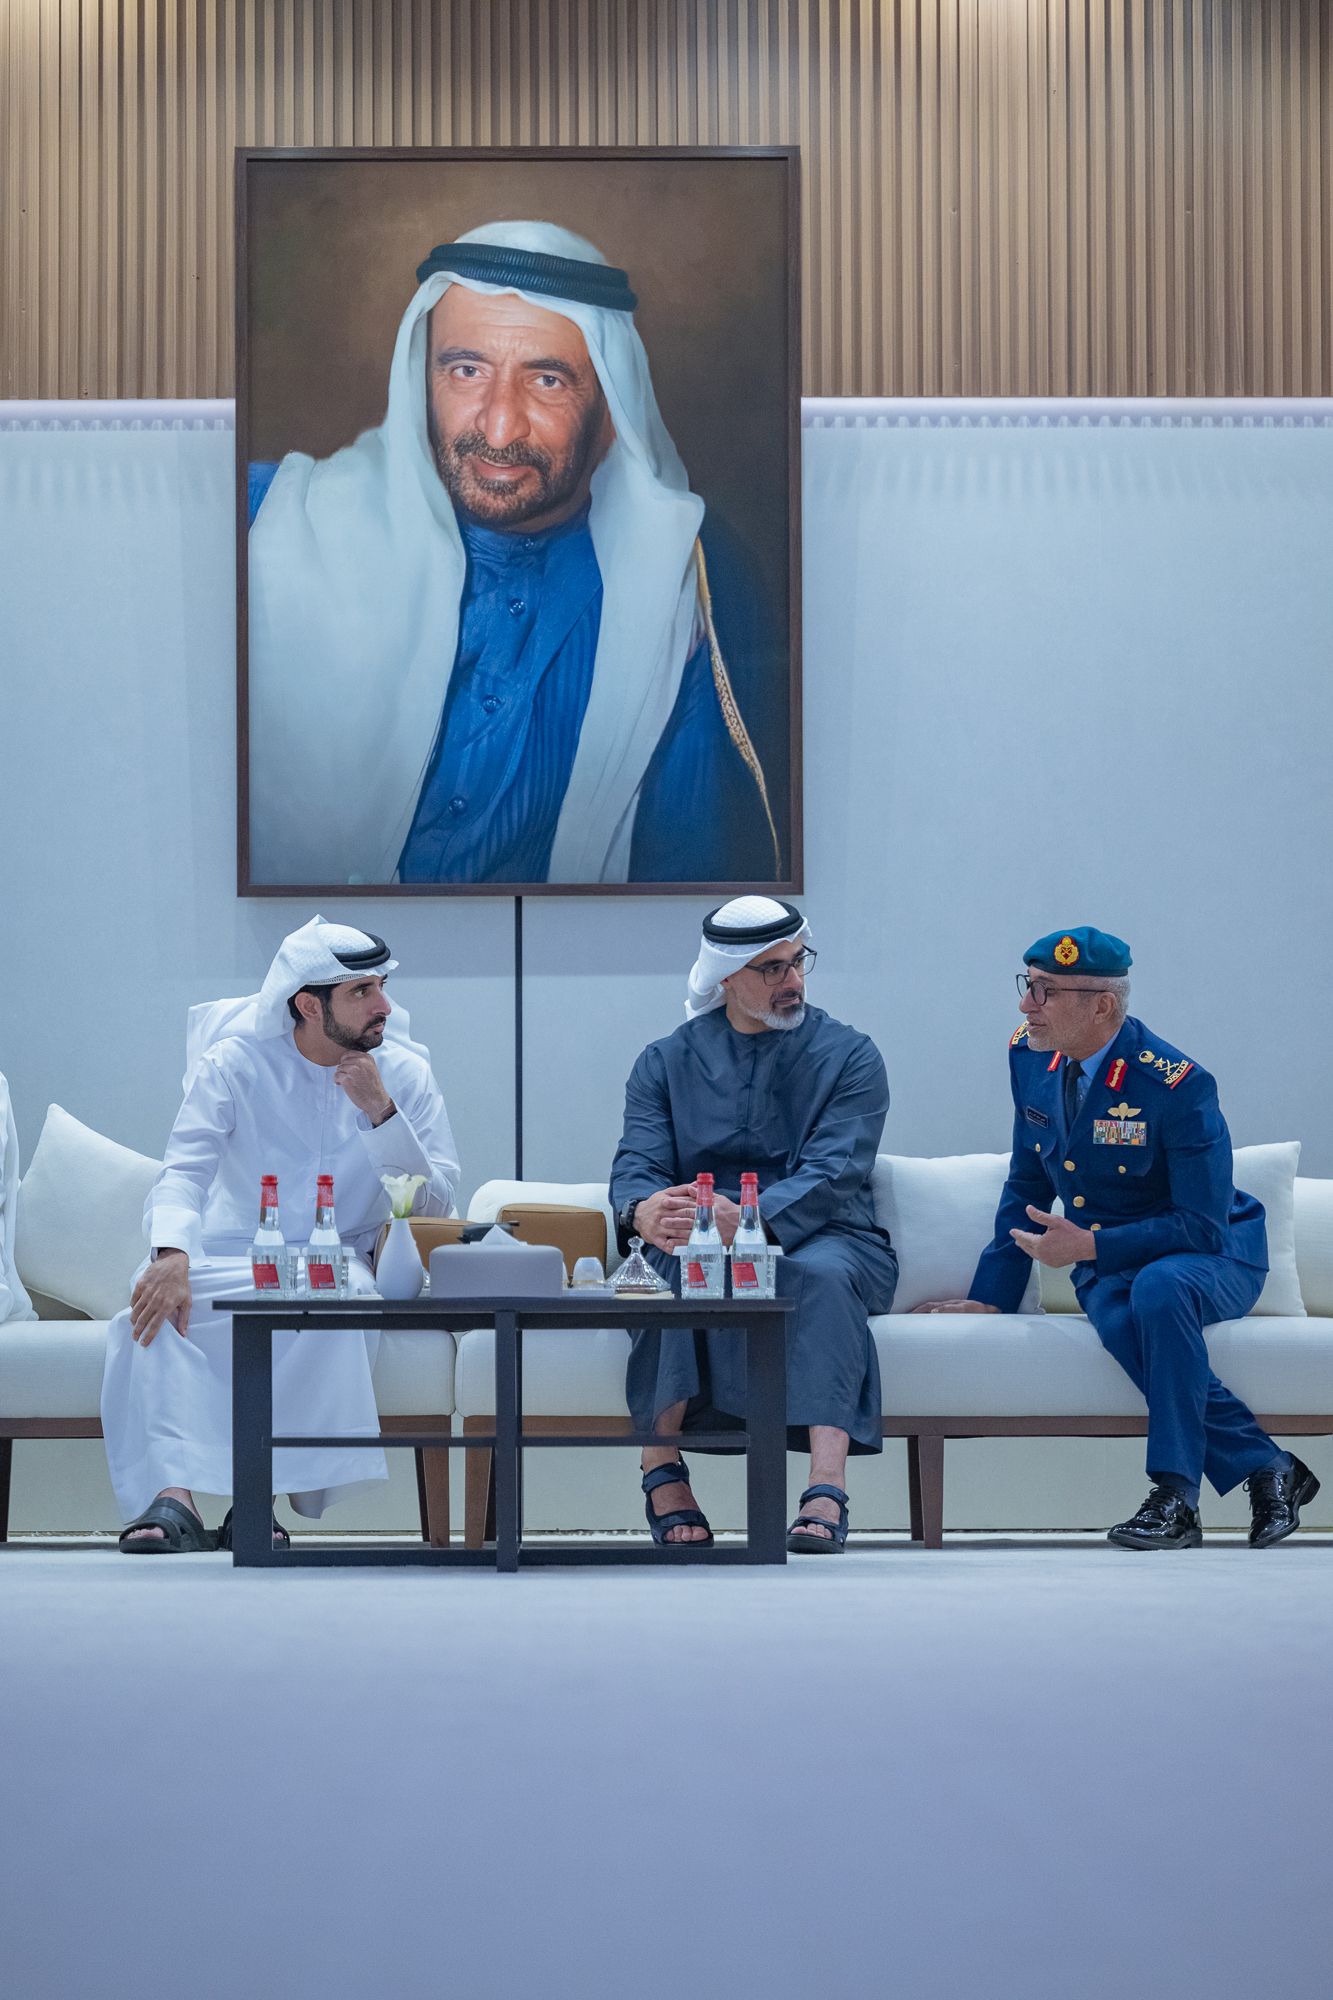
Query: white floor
x: 1027, y: 1768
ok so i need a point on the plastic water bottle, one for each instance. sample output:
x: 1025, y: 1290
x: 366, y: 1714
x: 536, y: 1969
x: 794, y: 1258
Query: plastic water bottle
x: 703, y: 1258
x: 270, y: 1259
x: 750, y: 1260
x: 325, y: 1257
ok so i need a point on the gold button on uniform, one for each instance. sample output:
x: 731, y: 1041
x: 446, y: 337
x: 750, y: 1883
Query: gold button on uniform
x: 1078, y: 1201
x: 1069, y: 1167
x: 1120, y: 1170
x: 1094, y: 1225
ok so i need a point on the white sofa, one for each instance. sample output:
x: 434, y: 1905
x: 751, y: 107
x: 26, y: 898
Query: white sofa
x: 1038, y: 1372
x: 77, y: 1253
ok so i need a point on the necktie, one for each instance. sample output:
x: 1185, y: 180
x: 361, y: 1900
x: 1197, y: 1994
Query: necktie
x: 1073, y: 1072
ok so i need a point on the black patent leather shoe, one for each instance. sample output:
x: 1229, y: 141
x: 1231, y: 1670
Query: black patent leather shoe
x: 1164, y: 1521
x: 1276, y: 1499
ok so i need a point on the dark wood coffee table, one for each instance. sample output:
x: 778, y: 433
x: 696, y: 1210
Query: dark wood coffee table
x: 759, y: 1323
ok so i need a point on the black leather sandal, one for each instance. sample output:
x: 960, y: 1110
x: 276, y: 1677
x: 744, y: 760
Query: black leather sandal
x: 281, y: 1539
x: 833, y: 1542
x: 183, y: 1533
x: 684, y: 1517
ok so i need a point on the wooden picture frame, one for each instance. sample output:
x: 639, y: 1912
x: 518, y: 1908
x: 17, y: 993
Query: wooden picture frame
x: 324, y: 240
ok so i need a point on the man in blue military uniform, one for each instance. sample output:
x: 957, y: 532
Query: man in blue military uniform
x: 1128, y: 1131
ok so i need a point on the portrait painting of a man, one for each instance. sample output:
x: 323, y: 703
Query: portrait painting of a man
x: 495, y: 640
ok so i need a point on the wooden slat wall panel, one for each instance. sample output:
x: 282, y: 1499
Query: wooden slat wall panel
x: 1001, y: 197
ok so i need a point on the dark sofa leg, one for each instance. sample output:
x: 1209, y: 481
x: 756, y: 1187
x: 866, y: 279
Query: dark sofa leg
x: 930, y: 1457
x: 488, y: 1532
x: 421, y: 1494
x: 914, y: 1486
x: 435, y: 1484
x: 6, y: 1467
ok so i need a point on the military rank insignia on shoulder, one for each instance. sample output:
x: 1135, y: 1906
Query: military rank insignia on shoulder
x: 1019, y: 1035
x: 1164, y: 1068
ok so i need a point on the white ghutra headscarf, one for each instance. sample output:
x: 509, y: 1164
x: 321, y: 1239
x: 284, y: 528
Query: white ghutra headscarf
x: 356, y: 574
x: 316, y: 955
x: 733, y: 935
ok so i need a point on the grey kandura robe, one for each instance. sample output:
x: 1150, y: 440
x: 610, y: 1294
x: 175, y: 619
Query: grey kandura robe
x: 804, y: 1109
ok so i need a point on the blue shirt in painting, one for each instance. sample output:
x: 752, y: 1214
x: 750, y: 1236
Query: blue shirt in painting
x: 522, y: 675
x: 509, y: 730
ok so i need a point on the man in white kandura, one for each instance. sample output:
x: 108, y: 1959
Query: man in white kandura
x: 298, y: 1081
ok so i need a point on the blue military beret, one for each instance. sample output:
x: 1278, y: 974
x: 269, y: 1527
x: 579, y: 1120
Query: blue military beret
x: 1083, y: 950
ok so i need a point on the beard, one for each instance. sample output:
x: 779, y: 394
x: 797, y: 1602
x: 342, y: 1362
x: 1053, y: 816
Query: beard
x: 368, y: 1039
x: 791, y: 1019
x: 496, y: 505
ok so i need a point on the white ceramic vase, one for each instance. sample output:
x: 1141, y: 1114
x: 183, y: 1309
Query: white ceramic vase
x: 399, y: 1273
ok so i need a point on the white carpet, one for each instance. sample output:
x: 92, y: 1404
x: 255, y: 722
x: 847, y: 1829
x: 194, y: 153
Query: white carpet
x: 999, y: 1770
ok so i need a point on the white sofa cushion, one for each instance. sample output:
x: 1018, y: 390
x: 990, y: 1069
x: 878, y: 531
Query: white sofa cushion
x: 1269, y: 1174
x: 999, y: 1365
x: 1312, y: 1203
x: 940, y: 1215
x: 1276, y: 1365
x: 1043, y: 1365
x: 1057, y: 1287
x: 52, y: 1367
x: 14, y: 1300
x: 566, y: 1372
x: 414, y: 1373
x: 80, y: 1216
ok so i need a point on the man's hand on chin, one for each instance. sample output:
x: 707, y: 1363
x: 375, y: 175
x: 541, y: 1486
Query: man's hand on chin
x: 953, y: 1306
x: 1060, y: 1242
x: 359, y: 1076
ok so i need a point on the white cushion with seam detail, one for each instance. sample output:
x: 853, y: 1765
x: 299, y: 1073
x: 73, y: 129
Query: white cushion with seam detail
x: 413, y: 1374
x: 1312, y: 1202
x: 1053, y: 1365
x: 940, y: 1215
x: 80, y: 1231
x: 52, y: 1368
x: 567, y: 1372
x: 1269, y: 1174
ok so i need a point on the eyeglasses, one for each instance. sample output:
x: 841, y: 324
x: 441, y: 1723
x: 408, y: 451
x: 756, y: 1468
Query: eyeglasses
x: 1041, y: 992
x: 777, y: 969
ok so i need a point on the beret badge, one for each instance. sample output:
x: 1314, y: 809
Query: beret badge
x: 1066, y: 952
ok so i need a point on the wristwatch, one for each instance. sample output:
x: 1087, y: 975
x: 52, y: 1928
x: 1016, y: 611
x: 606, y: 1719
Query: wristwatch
x: 626, y: 1216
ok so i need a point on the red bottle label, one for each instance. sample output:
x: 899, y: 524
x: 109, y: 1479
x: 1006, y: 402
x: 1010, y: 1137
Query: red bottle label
x: 743, y: 1276
x: 320, y: 1277
x: 695, y: 1276
x: 266, y: 1277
